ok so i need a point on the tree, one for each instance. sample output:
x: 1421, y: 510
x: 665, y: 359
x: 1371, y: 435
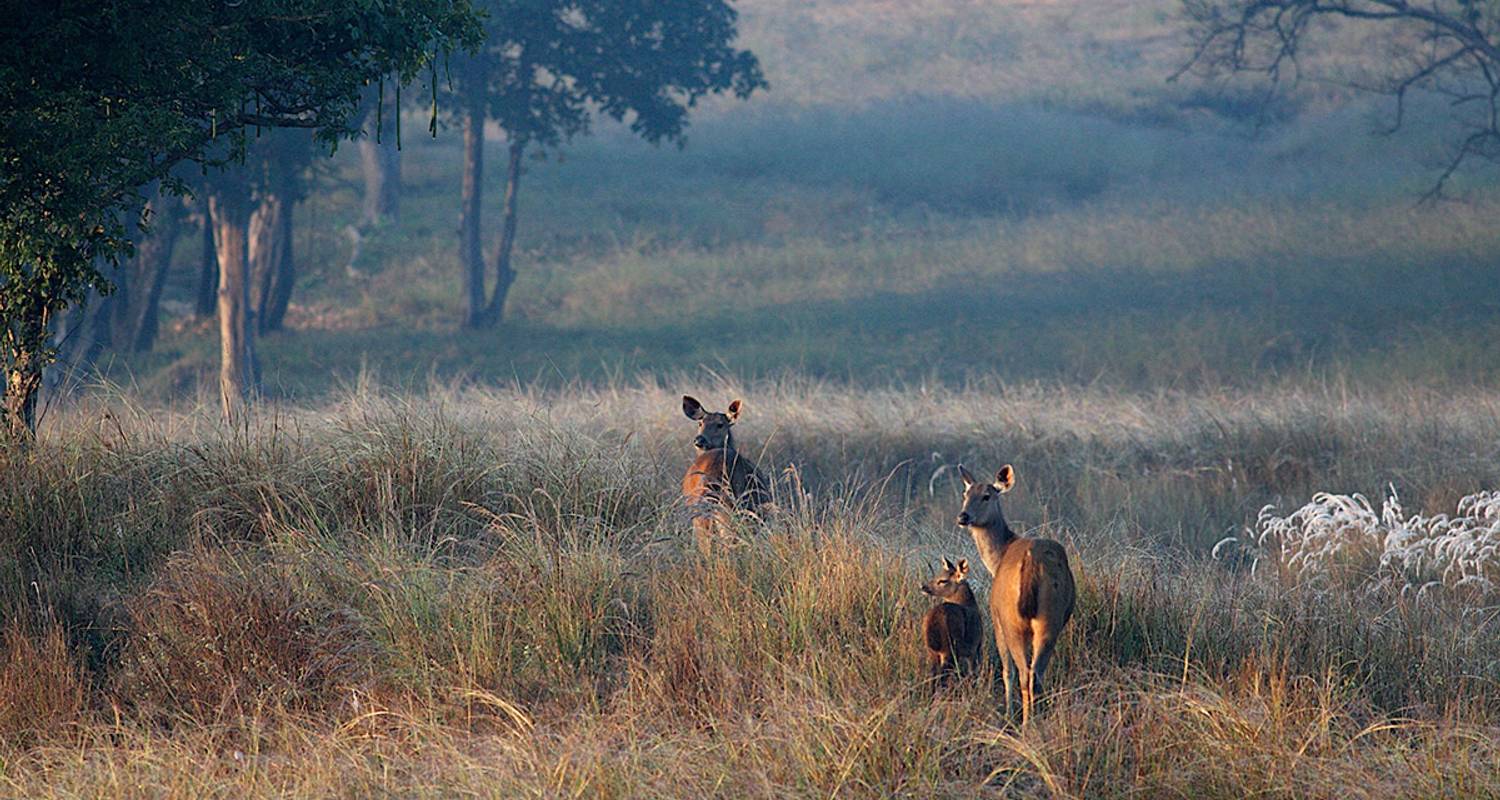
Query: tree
x: 547, y: 66
x: 135, y: 307
x: 125, y: 319
x: 100, y: 98
x: 1450, y: 48
x: 281, y: 159
x: 380, y: 154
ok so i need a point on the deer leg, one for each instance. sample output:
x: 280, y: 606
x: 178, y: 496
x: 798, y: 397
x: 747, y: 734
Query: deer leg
x: 1022, y: 658
x: 934, y: 664
x: 1006, y: 666
x: 703, y: 531
x: 1042, y: 654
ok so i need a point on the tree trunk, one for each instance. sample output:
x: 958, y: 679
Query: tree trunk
x: 284, y: 155
x: 266, y: 251
x: 504, y: 275
x: 147, y: 319
x: 469, y: 250
x: 379, y: 158
x: 381, y: 163
x: 25, y: 335
x: 279, y: 292
x: 136, y: 310
x: 228, y: 206
x: 208, y: 270
x: 84, y: 333
x: 22, y: 384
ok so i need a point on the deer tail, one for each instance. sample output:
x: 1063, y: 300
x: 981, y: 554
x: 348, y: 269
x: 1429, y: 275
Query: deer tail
x: 1031, y: 580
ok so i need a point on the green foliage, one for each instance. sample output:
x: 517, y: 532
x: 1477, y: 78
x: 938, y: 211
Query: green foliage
x: 545, y: 67
x: 98, y: 99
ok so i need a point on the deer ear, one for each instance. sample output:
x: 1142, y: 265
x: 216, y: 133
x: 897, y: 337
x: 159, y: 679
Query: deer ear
x: 692, y: 408
x: 1005, y: 478
x: 963, y: 568
x: 734, y: 411
x: 947, y: 565
x: 967, y: 478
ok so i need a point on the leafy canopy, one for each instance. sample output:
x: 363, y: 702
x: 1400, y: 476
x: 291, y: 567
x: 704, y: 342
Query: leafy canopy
x: 547, y: 65
x: 100, y: 97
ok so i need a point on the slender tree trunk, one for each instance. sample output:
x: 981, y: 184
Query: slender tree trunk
x: 504, y: 274
x: 74, y: 330
x: 25, y: 335
x: 135, y: 318
x: 266, y: 248
x: 382, y: 169
x: 379, y: 159
x: 285, y: 154
x: 83, y: 333
x: 147, y: 319
x: 279, y: 292
x: 229, y: 211
x: 469, y: 250
x: 381, y: 163
x: 22, y: 384
x: 208, y: 270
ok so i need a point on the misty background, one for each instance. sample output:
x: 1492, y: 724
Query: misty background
x: 926, y: 191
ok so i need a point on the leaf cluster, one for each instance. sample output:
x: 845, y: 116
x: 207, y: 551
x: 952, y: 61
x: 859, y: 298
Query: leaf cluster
x: 100, y: 98
x: 548, y: 66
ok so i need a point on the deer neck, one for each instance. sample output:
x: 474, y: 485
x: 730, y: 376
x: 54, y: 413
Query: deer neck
x: 991, y: 543
x: 964, y: 597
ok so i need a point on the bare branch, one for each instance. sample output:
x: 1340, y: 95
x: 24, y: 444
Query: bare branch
x: 1458, y: 57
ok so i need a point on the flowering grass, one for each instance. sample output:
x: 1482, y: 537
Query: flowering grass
x: 1340, y: 540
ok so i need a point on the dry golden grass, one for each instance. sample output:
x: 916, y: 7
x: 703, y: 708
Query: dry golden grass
x: 490, y: 593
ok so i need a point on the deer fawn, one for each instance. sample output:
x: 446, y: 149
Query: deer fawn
x: 720, y: 479
x: 1032, y: 596
x: 952, y: 629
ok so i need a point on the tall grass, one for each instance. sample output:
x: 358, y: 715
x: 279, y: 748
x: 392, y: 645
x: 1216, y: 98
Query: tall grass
x: 494, y: 592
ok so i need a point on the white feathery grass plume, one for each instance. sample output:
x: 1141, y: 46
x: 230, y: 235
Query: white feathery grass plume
x: 1337, y: 539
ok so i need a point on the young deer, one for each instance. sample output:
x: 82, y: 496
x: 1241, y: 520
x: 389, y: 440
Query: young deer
x: 1032, y: 596
x: 952, y: 629
x: 720, y: 479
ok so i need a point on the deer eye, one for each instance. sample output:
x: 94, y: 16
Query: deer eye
x: 987, y: 495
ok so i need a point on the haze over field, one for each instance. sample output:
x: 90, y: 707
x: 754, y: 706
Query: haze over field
x: 1242, y: 364
x: 1018, y: 174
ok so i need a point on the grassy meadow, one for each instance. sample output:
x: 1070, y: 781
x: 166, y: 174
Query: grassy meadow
x: 435, y: 562
x: 493, y: 593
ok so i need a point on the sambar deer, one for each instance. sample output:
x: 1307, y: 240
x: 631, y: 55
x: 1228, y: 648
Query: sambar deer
x: 1032, y: 596
x: 952, y: 629
x: 720, y: 479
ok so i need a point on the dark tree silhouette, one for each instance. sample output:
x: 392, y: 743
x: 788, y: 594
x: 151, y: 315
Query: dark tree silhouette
x: 1450, y: 48
x: 98, y: 99
x: 547, y: 66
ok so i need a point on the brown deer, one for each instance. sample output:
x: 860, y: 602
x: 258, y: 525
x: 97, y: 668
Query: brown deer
x: 1031, y: 598
x: 720, y: 479
x: 952, y: 629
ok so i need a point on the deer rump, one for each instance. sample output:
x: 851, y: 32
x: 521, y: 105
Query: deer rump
x: 720, y: 481
x: 1041, y: 565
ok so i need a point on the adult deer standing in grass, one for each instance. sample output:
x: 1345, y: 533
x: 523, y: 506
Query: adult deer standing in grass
x: 1032, y: 595
x: 720, y: 478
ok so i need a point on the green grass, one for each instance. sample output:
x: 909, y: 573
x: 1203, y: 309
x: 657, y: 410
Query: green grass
x: 907, y: 236
x: 1071, y: 249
